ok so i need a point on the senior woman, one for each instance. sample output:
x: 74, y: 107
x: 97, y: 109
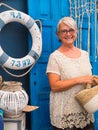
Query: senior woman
x: 68, y: 71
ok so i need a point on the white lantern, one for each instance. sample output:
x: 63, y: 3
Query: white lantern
x: 13, y: 98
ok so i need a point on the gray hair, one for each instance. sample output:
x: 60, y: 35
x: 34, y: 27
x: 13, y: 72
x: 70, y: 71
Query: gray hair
x: 69, y: 21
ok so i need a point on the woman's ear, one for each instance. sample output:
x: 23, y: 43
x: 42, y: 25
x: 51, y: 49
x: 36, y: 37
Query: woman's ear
x: 58, y: 35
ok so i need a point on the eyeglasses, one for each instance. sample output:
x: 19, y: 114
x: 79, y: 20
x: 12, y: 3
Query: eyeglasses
x: 64, y: 31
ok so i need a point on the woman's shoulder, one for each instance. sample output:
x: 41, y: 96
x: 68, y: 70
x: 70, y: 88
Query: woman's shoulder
x: 84, y: 52
x: 55, y: 53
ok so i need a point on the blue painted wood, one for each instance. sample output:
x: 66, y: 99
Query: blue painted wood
x: 49, y: 12
x: 39, y: 86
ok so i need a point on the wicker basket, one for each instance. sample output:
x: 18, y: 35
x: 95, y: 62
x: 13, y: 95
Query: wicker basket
x: 13, y: 98
x: 88, y: 97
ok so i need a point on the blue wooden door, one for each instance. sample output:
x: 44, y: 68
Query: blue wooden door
x: 49, y: 12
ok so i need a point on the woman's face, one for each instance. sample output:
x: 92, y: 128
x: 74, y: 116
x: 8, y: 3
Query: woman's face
x: 66, y: 34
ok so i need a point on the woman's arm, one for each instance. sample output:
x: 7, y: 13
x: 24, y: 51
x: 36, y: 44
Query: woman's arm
x: 57, y: 84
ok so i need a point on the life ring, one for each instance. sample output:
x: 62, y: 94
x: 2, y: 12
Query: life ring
x: 36, y: 49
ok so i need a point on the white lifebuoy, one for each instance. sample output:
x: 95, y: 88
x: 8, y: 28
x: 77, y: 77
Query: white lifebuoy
x: 36, y: 49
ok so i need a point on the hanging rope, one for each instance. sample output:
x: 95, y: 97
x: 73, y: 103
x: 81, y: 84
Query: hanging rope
x: 79, y: 8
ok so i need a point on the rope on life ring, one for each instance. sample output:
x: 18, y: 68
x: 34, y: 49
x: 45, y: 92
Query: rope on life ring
x: 36, y: 49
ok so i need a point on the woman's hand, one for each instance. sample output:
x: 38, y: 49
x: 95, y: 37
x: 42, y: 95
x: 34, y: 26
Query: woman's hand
x: 86, y: 79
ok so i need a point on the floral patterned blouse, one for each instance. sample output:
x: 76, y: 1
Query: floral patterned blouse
x: 65, y: 111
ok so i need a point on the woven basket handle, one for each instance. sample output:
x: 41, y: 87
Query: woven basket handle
x: 95, y: 80
x: 88, y: 86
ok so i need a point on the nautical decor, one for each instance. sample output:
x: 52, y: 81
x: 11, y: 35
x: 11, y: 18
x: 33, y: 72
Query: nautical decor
x: 13, y: 98
x: 35, y: 52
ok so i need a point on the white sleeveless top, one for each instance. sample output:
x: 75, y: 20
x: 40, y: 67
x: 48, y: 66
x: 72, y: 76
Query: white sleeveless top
x: 65, y: 111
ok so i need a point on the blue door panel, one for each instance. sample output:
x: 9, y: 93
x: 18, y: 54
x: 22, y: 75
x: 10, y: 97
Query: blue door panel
x: 39, y: 86
x: 49, y: 12
x: 40, y: 97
